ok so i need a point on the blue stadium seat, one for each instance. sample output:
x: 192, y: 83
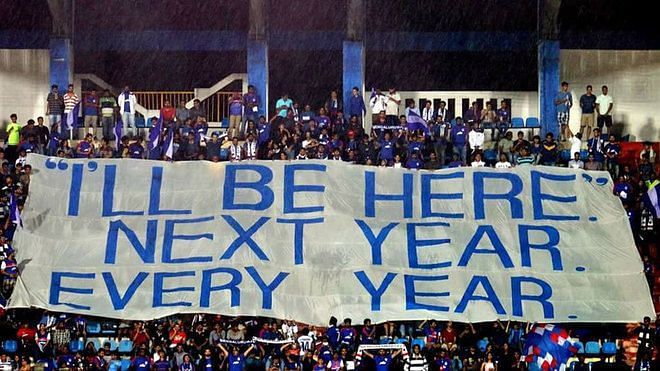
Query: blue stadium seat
x: 580, y: 346
x: 113, y: 344
x: 384, y: 340
x: 140, y: 122
x: 76, y: 345
x: 96, y: 342
x: 517, y: 123
x: 125, y: 364
x: 10, y: 346
x: 565, y: 155
x: 224, y: 154
x: 419, y: 342
x: 532, y: 123
x: 93, y: 328
x: 609, y: 348
x: 402, y: 341
x: 592, y: 347
x: 490, y: 156
x: 225, y: 123
x: 125, y: 346
x: 584, y: 154
x: 482, y: 344
x: 453, y: 122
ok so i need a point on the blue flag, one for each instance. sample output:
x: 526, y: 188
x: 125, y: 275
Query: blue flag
x: 119, y: 126
x: 652, y: 200
x: 154, y: 134
x: 72, y: 117
x: 373, y: 93
x: 416, y: 122
x: 168, y: 144
x: 14, y: 212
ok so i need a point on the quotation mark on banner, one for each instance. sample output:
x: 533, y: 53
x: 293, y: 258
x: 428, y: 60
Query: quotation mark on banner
x: 63, y: 165
x: 601, y: 181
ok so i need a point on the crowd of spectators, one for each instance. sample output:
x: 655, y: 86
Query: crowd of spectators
x: 295, y: 132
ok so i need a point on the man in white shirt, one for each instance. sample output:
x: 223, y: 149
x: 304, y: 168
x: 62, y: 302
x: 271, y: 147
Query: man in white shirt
x: 476, y: 138
x: 427, y: 112
x: 250, y: 148
x: 604, y: 104
x: 576, y: 163
x: 378, y: 104
x: 576, y: 142
x: 235, y: 151
x: 392, y: 109
x: 126, y: 102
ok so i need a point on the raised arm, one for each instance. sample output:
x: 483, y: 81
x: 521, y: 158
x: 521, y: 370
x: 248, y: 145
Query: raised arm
x: 248, y: 350
x: 223, y: 350
x: 366, y: 353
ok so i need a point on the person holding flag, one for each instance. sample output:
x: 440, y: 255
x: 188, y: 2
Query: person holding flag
x: 119, y: 126
x: 154, y: 145
x: 416, y: 122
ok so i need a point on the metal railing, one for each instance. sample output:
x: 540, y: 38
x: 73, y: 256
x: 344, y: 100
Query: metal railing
x: 217, y: 105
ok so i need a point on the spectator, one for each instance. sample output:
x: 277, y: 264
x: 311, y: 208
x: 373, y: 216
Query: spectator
x: 596, y: 146
x: 503, y: 163
x: 54, y: 106
x: 503, y: 119
x: 444, y: 114
x: 13, y: 138
x: 604, y: 105
x: 473, y: 115
x: 549, y: 151
x: 563, y: 104
x: 648, y: 149
x: 505, y: 146
x: 91, y: 110
x: 236, y: 113
x: 168, y: 113
x: 127, y: 102
x: 576, y: 142
x: 393, y: 100
x: 459, y: 139
x: 416, y: 360
x: 196, y: 111
x: 612, y: 150
x: 476, y: 138
x: 576, y: 163
x: 587, y: 105
x: 378, y: 104
x: 251, y: 104
x: 477, y: 162
x: 518, y: 145
x: 333, y: 105
x: 283, y: 105
x: 107, y: 103
x: 592, y: 164
x: 488, y: 119
x: 427, y: 112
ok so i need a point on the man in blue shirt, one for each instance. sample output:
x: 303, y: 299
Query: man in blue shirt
x: 251, y: 104
x: 503, y: 119
x: 236, y: 360
x: 563, y: 103
x: 382, y: 359
x: 459, y: 139
x: 356, y: 105
x: 283, y: 104
x: 386, y: 149
x: 588, y: 105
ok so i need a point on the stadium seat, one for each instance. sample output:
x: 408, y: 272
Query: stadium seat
x: 125, y: 364
x: 565, y: 155
x: 419, y: 342
x: 532, y: 123
x: 453, y: 122
x: 224, y: 154
x: 592, y: 347
x: 225, y: 123
x: 402, y: 341
x: 384, y: 340
x: 113, y: 344
x: 580, y: 346
x: 482, y: 344
x: 96, y: 342
x: 140, y: 122
x: 609, y: 348
x: 584, y: 154
x: 93, y: 328
x: 10, y: 346
x: 125, y: 346
x: 76, y: 346
x: 490, y: 156
x: 517, y: 123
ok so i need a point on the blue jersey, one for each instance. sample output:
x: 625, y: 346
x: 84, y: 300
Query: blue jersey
x: 205, y: 364
x: 141, y: 363
x: 333, y: 336
x: 387, y: 150
x: 382, y: 362
x: 236, y: 363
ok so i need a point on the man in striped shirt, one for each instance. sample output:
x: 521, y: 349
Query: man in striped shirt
x: 524, y: 159
x: 417, y: 361
x: 70, y: 101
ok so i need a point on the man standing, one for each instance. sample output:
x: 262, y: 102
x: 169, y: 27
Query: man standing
x: 563, y: 103
x: 251, y: 104
x: 283, y: 104
x: 604, y: 104
x: 236, y: 112
x: 427, y: 112
x: 587, y: 104
x: 13, y: 138
x: 356, y: 105
x: 91, y: 111
x: 443, y: 112
x: 378, y: 104
x: 459, y: 134
x: 42, y: 135
x: 127, y: 102
x: 393, y: 100
x: 108, y: 104
x: 70, y: 100
x: 54, y: 106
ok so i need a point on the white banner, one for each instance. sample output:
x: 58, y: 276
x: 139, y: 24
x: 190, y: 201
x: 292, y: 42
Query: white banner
x: 306, y: 240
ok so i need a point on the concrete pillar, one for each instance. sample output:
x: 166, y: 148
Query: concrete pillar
x: 61, y: 45
x: 353, y: 49
x: 257, y: 52
x: 548, y: 64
